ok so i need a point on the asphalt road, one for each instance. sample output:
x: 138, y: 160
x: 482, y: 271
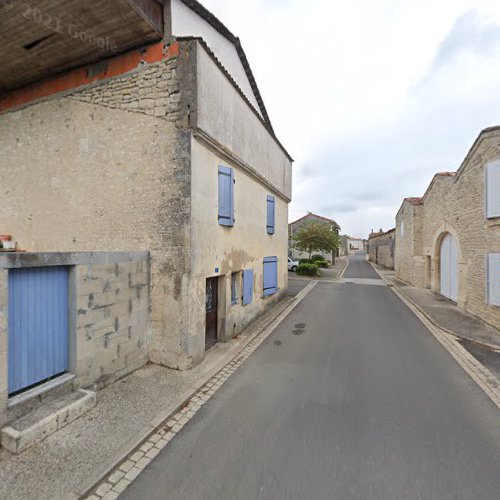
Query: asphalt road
x: 349, y: 398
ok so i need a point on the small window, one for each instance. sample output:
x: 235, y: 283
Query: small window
x: 402, y: 229
x: 270, y: 214
x: 270, y: 275
x: 226, y: 196
x: 494, y: 279
x: 234, y: 288
x: 492, y: 203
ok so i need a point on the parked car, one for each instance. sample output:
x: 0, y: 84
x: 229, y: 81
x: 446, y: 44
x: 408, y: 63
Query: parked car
x: 292, y: 264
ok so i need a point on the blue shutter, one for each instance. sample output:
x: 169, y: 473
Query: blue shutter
x: 270, y: 214
x: 226, y: 196
x: 270, y: 275
x: 247, y: 286
x: 38, y: 325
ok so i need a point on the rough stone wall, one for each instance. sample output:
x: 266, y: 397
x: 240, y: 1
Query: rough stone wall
x: 107, y: 168
x: 456, y: 205
x: 112, y: 321
x: 405, y: 242
x: 152, y: 90
x: 381, y: 248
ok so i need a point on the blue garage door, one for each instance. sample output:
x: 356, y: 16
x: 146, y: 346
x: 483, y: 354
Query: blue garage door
x: 38, y: 325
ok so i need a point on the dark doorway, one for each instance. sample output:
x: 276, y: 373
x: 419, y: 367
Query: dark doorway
x: 211, y: 313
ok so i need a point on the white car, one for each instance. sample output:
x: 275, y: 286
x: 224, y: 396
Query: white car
x: 292, y: 264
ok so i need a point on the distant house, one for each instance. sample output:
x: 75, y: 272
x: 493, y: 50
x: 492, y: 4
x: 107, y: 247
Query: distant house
x: 143, y: 180
x: 293, y: 227
x: 351, y: 245
x: 449, y: 239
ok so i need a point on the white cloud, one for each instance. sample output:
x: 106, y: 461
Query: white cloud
x: 371, y: 98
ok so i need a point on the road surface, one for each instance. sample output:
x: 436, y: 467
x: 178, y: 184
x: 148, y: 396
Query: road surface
x: 349, y: 398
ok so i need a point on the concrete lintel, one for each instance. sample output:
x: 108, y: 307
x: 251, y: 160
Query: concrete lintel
x: 35, y: 259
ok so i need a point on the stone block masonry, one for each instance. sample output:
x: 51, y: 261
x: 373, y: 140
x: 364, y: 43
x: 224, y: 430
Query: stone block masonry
x: 109, y: 317
x: 453, y: 204
x: 112, y: 320
x: 381, y: 248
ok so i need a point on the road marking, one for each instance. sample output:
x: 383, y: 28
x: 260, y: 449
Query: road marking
x: 131, y: 466
x: 363, y: 281
x: 476, y: 370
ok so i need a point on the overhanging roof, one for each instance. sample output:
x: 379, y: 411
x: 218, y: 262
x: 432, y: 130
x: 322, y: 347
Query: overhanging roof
x: 46, y: 37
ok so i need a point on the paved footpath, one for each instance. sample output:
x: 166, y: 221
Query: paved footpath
x: 351, y: 397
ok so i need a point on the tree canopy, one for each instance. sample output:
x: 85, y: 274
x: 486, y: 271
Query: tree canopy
x: 316, y: 236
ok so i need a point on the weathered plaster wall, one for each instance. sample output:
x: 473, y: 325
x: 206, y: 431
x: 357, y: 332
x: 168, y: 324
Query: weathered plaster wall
x: 185, y: 22
x: 107, y: 168
x: 226, y: 117
x: 232, y: 249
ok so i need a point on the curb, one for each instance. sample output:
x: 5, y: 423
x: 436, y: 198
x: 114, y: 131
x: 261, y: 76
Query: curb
x: 487, y: 382
x: 154, y: 428
x: 486, y: 345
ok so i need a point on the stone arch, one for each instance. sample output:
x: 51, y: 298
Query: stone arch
x: 437, y: 241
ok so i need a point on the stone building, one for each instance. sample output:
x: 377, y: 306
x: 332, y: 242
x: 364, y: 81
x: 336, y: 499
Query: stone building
x: 449, y: 240
x: 293, y: 227
x: 139, y: 158
x: 381, y: 248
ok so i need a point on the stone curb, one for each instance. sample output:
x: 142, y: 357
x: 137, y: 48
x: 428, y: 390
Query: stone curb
x: 127, y: 464
x: 476, y: 370
x: 486, y: 345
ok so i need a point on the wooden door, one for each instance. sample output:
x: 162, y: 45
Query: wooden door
x: 38, y: 325
x: 449, y: 268
x: 211, y: 313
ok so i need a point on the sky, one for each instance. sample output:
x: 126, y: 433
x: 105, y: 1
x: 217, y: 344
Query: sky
x: 371, y: 98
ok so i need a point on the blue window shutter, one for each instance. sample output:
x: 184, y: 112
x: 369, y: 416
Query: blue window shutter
x: 226, y: 196
x: 247, y: 286
x: 270, y: 214
x: 270, y: 275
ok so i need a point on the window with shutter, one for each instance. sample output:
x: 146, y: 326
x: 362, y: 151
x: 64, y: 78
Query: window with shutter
x: 270, y: 275
x: 492, y: 190
x: 226, y: 196
x: 247, y: 286
x: 270, y: 214
x: 494, y: 279
x: 234, y: 289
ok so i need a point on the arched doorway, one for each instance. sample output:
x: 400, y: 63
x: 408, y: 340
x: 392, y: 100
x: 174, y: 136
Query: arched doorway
x: 449, y: 267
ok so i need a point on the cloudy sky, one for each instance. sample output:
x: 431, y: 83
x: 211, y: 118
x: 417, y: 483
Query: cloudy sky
x: 371, y: 97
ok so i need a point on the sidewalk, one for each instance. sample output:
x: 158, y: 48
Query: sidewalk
x: 68, y: 463
x: 445, y: 314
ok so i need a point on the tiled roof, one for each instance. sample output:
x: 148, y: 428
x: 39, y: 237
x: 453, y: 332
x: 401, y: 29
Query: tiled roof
x: 319, y: 217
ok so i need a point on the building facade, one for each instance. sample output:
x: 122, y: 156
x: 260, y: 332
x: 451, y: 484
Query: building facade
x: 293, y: 227
x: 381, y: 247
x: 449, y: 240
x: 160, y: 153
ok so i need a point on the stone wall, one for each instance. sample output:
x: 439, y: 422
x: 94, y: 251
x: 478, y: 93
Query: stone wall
x: 454, y: 203
x: 381, y: 248
x: 109, y: 317
x: 107, y: 168
x: 407, y: 231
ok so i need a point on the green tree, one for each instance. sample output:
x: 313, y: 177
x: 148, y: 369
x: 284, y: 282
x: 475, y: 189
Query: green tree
x: 316, y: 236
